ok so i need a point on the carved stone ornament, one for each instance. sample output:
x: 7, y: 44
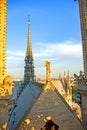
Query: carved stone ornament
x: 6, y: 87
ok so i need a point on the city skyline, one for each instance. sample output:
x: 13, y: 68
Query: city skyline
x: 55, y: 36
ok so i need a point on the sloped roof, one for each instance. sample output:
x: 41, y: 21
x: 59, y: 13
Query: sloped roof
x: 36, y: 104
x: 51, y: 103
x: 24, y: 102
x: 15, y: 89
x: 60, y: 86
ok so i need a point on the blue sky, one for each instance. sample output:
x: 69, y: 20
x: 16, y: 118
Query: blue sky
x: 55, y: 36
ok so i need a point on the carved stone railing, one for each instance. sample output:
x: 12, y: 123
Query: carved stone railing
x: 81, y: 82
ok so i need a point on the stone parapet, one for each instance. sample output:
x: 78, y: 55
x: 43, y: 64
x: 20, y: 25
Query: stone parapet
x: 82, y: 85
x: 82, y: 89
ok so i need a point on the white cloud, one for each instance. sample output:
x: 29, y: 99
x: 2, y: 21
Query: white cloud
x: 41, y: 54
x: 16, y: 53
x: 14, y: 58
x: 50, y: 50
x: 67, y: 48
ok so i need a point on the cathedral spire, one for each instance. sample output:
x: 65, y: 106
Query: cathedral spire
x: 29, y: 46
x: 29, y: 65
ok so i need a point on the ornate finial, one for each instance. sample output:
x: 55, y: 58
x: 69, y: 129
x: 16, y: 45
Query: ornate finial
x: 64, y: 73
x: 64, y: 77
x: 68, y: 80
x: 68, y: 75
x: 68, y: 97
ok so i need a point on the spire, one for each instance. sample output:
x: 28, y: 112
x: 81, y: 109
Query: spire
x: 68, y: 80
x: 29, y: 65
x: 64, y: 74
x: 29, y: 46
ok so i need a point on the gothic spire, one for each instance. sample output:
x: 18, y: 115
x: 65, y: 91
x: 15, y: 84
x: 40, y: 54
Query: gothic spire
x: 29, y: 65
x: 68, y: 80
x: 29, y: 46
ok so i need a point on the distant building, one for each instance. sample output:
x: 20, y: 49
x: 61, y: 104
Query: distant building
x: 29, y: 63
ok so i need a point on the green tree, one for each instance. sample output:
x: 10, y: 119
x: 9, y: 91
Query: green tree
x: 74, y: 89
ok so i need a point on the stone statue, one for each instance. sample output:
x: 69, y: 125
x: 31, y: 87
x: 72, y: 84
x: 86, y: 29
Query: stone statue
x: 47, y: 64
x: 6, y: 86
x: 48, y: 84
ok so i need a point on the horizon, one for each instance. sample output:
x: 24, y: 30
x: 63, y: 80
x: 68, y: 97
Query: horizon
x: 55, y: 35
